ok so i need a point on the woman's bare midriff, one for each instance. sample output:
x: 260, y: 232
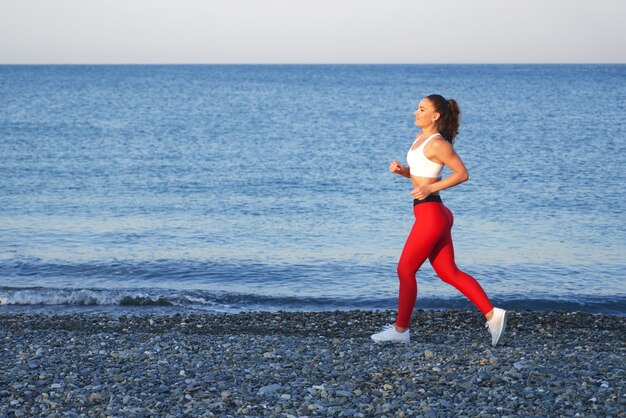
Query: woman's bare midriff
x: 424, y: 181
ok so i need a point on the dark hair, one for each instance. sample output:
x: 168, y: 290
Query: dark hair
x: 448, y: 122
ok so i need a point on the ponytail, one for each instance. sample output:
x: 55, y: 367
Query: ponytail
x: 449, y: 116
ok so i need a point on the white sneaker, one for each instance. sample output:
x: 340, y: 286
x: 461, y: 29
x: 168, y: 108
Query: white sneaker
x: 497, y: 325
x: 389, y: 333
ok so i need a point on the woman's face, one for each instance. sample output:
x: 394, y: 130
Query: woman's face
x: 425, y: 114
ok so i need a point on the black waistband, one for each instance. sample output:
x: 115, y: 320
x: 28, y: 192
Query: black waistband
x: 430, y: 198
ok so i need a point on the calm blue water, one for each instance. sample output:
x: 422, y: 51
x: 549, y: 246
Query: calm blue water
x: 232, y: 188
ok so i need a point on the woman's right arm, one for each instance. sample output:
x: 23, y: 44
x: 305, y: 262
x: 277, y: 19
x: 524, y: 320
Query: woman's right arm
x: 397, y: 168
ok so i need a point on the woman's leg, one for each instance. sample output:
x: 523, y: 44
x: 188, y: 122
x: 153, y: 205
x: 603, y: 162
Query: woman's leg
x: 426, y: 232
x: 442, y: 260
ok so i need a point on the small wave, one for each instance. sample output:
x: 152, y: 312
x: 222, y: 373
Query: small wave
x: 239, y: 302
x: 148, y: 297
x: 85, y: 297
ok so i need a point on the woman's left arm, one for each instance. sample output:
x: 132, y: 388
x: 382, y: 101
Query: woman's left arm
x: 444, y: 152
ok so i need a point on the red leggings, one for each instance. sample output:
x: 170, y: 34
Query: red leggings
x: 430, y: 238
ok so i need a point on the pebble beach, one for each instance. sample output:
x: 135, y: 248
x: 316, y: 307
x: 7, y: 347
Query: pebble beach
x: 304, y: 364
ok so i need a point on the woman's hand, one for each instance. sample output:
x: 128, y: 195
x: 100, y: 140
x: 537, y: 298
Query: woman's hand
x: 395, y: 167
x: 421, y: 192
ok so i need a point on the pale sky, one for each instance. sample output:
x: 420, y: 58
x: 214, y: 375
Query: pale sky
x: 311, y: 31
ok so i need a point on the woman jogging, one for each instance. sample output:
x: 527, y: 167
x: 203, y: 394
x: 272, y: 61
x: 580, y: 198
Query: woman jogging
x: 430, y: 236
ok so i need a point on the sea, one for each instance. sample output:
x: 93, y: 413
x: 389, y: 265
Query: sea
x: 166, y: 189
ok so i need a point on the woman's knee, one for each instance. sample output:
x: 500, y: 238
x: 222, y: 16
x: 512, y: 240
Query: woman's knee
x: 447, y: 275
x: 406, y: 271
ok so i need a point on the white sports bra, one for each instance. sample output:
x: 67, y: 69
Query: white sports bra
x: 419, y: 165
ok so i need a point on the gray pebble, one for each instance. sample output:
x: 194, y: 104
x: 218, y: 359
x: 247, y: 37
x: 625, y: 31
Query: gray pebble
x: 269, y: 389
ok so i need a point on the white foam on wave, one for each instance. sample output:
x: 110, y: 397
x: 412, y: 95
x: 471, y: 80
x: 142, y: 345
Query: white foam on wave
x: 117, y: 298
x: 71, y: 297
